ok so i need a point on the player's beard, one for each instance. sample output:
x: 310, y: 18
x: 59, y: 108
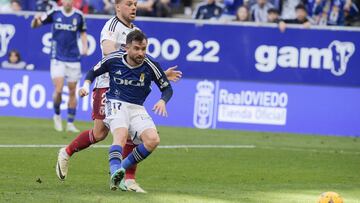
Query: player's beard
x: 137, y: 60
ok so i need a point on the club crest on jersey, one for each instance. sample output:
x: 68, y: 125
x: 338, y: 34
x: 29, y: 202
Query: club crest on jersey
x: 74, y: 21
x: 142, y: 77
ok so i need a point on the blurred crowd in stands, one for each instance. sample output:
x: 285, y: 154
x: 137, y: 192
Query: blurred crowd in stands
x: 305, y: 12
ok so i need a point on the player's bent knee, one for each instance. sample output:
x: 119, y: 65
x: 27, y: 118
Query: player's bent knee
x: 151, y: 139
x: 100, y: 134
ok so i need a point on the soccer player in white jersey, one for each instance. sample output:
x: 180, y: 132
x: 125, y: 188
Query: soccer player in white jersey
x: 113, y: 36
x: 131, y: 74
x: 67, y: 22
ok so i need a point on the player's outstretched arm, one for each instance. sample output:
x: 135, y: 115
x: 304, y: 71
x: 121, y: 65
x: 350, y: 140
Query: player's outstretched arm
x: 172, y: 74
x: 98, y: 69
x: 166, y: 94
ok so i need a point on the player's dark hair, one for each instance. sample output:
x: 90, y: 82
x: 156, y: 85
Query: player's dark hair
x: 135, y: 35
x: 273, y: 10
x: 117, y: 1
x: 300, y: 7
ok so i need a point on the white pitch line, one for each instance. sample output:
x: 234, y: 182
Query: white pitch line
x: 107, y: 146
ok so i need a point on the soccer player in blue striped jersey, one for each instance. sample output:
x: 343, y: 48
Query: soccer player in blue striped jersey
x: 131, y: 74
x: 67, y: 22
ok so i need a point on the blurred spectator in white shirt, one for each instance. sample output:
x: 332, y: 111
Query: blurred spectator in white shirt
x: 259, y: 11
x: 288, y: 9
x: 5, y: 6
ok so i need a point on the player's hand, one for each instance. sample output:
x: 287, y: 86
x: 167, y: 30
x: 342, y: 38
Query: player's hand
x: 172, y: 74
x: 160, y: 108
x: 83, y: 92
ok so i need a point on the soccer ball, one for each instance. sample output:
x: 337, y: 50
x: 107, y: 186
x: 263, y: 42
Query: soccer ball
x: 330, y: 197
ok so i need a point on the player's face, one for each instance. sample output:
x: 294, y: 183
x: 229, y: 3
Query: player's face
x: 127, y: 9
x: 137, y: 51
x: 67, y: 4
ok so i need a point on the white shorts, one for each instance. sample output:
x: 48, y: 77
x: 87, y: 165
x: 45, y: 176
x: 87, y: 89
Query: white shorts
x: 134, y: 117
x: 69, y: 70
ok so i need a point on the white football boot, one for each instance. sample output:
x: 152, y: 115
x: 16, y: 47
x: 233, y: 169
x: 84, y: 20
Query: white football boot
x: 132, y: 185
x: 70, y: 127
x: 62, y: 164
x: 57, y: 123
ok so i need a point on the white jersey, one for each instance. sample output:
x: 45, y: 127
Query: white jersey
x: 116, y: 31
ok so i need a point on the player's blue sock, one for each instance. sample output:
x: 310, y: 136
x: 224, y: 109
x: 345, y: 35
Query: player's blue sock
x: 57, y: 108
x: 115, y: 158
x: 138, y: 154
x: 71, y: 115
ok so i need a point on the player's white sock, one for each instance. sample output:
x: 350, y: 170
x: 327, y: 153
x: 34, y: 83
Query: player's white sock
x: 70, y: 127
x: 57, y: 123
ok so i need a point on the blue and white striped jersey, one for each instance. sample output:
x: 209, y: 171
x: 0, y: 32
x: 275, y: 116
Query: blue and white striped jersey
x: 131, y: 84
x: 65, y: 30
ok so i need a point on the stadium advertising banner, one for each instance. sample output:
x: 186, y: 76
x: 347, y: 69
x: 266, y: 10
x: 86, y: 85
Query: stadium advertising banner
x: 215, y: 51
x: 208, y: 104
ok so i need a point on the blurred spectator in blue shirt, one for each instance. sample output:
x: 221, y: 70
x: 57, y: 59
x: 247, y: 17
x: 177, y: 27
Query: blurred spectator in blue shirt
x: 329, y: 12
x: 45, y: 5
x: 163, y: 8
x: 96, y: 6
x: 145, y: 8
x: 275, y: 3
x: 231, y: 6
x: 208, y: 10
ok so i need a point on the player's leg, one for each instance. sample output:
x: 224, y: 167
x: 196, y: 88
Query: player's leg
x: 57, y: 72
x: 72, y: 108
x: 73, y: 75
x: 82, y: 141
x: 117, y: 173
x: 130, y: 181
x: 118, y: 122
x: 87, y: 137
x: 150, y: 140
x: 128, y: 148
x: 142, y: 129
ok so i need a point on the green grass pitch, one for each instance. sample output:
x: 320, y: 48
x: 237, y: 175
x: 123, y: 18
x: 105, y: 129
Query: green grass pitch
x: 281, y: 167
